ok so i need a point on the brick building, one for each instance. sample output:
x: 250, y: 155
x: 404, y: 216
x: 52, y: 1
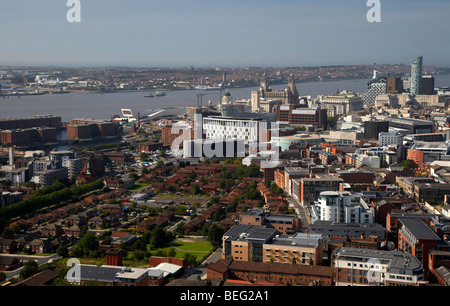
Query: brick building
x: 169, y: 133
x: 297, y: 115
x: 92, y: 128
x: 274, y: 273
x: 26, y: 137
x: 284, y: 224
x: 25, y: 123
x: 262, y: 244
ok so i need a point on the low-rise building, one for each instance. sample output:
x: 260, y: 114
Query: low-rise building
x: 366, y: 267
x: 270, y: 273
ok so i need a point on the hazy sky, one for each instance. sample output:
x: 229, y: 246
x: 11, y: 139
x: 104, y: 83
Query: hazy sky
x: 227, y: 33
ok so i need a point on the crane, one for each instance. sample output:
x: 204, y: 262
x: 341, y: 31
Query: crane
x: 200, y: 97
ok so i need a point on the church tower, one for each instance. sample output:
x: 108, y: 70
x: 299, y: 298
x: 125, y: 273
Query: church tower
x: 293, y: 96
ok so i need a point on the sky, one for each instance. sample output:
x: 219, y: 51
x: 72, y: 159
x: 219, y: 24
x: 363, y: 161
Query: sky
x: 227, y: 33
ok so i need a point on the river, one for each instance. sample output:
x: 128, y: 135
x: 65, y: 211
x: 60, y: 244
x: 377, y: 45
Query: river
x: 103, y: 106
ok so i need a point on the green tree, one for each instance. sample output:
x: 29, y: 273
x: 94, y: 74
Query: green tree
x: 191, y: 259
x: 88, y: 243
x: 143, y: 157
x: 158, y: 237
x: 195, y: 189
x: 215, y: 235
x: 138, y: 255
x: 62, y: 251
x: 30, y: 268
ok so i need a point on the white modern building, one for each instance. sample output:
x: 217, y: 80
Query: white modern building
x: 370, y: 161
x: 216, y: 127
x: 213, y: 148
x: 343, y: 207
x: 389, y: 138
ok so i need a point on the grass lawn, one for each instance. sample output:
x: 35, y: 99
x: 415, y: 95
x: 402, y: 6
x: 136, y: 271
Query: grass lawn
x: 137, y: 186
x: 199, y: 249
x: 193, y: 246
x: 196, y: 247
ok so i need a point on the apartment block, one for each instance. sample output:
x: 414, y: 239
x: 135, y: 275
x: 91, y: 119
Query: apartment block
x: 307, y: 190
x: 255, y: 243
x: 259, y: 273
x: 366, y: 267
x: 48, y: 177
x: 284, y: 224
x: 343, y: 207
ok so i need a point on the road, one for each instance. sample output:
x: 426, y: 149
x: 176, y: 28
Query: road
x: 301, y: 210
x: 41, y: 260
x: 200, y: 270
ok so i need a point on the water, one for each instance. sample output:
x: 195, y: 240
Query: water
x: 103, y: 106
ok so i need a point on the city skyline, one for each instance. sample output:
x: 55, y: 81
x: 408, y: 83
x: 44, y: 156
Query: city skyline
x: 201, y: 33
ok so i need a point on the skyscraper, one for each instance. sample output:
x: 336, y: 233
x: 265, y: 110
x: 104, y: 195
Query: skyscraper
x: 427, y: 85
x: 416, y: 75
x: 394, y: 85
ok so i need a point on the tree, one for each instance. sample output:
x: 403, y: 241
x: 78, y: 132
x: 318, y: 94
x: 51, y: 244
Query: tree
x: 158, y: 237
x: 2, y: 277
x: 30, y: 268
x: 62, y: 251
x: 191, y: 259
x: 195, y: 189
x: 88, y: 243
x: 143, y: 157
x: 138, y: 255
x: 215, y: 235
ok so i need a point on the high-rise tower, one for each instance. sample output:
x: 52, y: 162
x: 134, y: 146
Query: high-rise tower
x: 416, y: 75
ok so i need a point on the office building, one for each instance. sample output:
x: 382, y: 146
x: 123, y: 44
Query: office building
x: 288, y: 96
x: 411, y: 126
x: 373, y: 128
x: 375, y: 87
x: 426, y: 152
x: 394, y: 85
x: 389, y: 138
x: 292, y: 114
x: 416, y: 75
x: 427, y: 85
x: 232, y: 128
x: 341, y: 103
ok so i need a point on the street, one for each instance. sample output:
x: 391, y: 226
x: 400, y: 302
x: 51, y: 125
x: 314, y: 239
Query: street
x: 301, y: 210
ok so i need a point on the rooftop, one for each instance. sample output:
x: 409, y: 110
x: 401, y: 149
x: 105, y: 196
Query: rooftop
x: 419, y: 229
x: 396, y: 259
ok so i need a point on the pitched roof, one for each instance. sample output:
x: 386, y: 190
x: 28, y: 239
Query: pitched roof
x: 43, y: 278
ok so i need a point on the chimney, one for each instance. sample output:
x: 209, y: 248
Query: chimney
x: 11, y: 156
x: 114, y: 258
